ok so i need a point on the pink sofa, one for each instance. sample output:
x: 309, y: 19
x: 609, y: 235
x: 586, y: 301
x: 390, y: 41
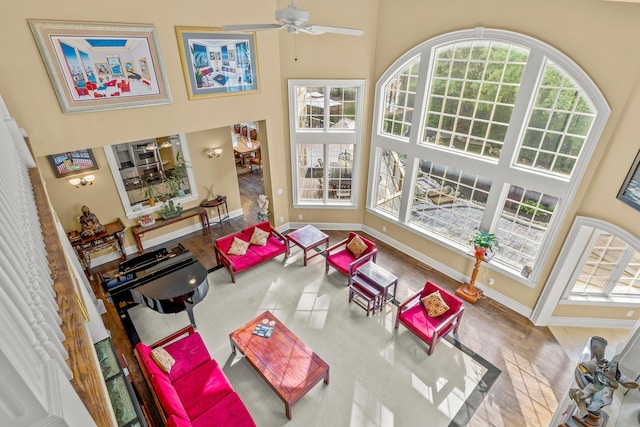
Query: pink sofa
x: 196, y: 391
x: 276, y: 245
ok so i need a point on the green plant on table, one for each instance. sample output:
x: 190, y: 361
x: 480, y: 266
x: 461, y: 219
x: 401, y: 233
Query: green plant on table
x: 484, y: 240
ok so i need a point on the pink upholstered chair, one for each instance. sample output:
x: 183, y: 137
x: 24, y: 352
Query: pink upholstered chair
x: 343, y: 260
x: 413, y: 315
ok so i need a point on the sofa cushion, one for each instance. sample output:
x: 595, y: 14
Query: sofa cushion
x: 356, y: 246
x: 420, y: 323
x: 189, y: 352
x: 272, y: 248
x: 202, y: 388
x: 265, y: 226
x: 341, y: 260
x: 434, y: 304
x: 238, y: 247
x: 152, y: 368
x: 169, y: 399
x: 259, y: 237
x: 229, y: 412
x: 162, y: 359
x: 175, y: 421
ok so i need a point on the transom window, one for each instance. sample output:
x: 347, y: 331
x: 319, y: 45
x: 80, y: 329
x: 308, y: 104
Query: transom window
x: 326, y: 128
x: 490, y: 129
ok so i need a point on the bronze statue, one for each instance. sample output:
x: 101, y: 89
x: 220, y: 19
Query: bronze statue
x: 89, y: 223
x: 597, y: 378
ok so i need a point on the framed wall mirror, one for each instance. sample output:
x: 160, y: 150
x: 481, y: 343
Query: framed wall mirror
x: 150, y: 172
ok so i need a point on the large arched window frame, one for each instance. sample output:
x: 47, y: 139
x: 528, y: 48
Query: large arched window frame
x: 446, y: 174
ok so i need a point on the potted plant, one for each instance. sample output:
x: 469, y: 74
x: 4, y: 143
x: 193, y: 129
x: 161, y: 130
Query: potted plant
x: 176, y: 179
x: 150, y: 192
x: 483, y: 242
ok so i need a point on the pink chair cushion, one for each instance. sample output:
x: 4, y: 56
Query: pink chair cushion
x: 189, y: 352
x: 342, y: 258
x: 229, y: 412
x: 265, y: 225
x: 168, y: 396
x: 273, y: 248
x: 420, y: 323
x: 202, y: 388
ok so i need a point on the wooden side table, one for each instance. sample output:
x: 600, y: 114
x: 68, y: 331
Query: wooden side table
x: 307, y: 238
x: 218, y: 203
x: 112, y: 237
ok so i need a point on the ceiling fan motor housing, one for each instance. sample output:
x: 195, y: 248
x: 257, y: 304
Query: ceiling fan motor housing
x: 292, y: 15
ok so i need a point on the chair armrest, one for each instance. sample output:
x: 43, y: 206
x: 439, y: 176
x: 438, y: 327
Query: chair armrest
x: 407, y: 301
x: 283, y: 239
x: 187, y: 330
x: 450, y: 320
x: 336, y: 246
x: 358, y: 262
x: 221, y: 257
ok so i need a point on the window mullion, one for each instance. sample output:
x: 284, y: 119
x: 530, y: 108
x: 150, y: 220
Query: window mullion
x: 492, y: 209
x: 408, y: 189
x: 518, y: 122
x: 618, y: 271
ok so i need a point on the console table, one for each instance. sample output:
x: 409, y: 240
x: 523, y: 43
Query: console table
x: 139, y: 230
x: 219, y: 202
x: 112, y: 237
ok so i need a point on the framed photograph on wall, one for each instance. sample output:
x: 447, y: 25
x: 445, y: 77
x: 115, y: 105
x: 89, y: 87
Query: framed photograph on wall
x: 630, y: 191
x: 72, y: 162
x: 92, y: 65
x: 217, y: 63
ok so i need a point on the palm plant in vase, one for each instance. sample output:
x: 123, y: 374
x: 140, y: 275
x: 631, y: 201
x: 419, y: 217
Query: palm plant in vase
x: 483, y: 242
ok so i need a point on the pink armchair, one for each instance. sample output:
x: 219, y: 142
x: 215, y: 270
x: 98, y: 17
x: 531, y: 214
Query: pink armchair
x: 343, y: 259
x: 430, y: 329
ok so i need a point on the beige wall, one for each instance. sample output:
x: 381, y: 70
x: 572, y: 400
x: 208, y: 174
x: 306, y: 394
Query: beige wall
x: 599, y: 36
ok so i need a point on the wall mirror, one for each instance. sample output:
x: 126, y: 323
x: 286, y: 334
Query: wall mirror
x: 150, y: 172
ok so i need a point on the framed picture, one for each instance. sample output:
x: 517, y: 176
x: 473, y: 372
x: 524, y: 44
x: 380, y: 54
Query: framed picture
x: 72, y: 162
x: 630, y: 191
x: 233, y: 69
x: 91, y: 65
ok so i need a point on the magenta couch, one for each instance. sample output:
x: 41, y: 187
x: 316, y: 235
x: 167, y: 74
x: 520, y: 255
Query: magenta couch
x: 276, y: 245
x: 195, y: 392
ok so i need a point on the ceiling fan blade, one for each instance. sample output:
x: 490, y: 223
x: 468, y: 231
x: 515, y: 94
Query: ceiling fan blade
x: 321, y: 29
x: 252, y: 27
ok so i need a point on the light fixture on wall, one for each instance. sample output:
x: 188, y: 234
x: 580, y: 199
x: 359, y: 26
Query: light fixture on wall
x: 213, y: 152
x: 88, y: 179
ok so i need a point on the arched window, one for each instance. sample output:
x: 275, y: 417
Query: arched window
x: 483, y: 129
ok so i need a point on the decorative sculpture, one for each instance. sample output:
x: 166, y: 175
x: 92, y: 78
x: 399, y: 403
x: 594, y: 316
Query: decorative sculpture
x: 597, y: 378
x: 89, y: 223
x: 263, y: 203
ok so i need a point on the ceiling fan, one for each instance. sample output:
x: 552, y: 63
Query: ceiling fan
x: 295, y: 21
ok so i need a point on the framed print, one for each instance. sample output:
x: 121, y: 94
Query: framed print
x: 217, y: 63
x: 72, y: 162
x: 630, y: 191
x: 92, y: 66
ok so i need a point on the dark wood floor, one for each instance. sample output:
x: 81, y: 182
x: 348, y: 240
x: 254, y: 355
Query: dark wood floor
x: 535, y: 368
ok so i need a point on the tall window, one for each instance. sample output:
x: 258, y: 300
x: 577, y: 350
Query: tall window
x: 495, y: 131
x: 326, y: 128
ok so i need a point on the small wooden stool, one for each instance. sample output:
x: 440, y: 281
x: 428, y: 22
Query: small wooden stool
x: 363, y: 293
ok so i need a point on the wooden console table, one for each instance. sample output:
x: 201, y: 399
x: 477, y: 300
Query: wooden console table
x: 112, y: 237
x: 220, y: 202
x: 138, y: 231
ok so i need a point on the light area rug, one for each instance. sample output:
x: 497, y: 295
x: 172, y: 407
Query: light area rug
x: 378, y: 376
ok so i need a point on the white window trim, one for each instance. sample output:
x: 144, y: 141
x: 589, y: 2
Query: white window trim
x: 537, y: 47
x: 324, y: 137
x: 122, y: 191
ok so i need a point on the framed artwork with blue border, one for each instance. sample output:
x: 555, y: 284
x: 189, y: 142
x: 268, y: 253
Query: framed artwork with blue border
x: 630, y: 191
x: 101, y: 66
x: 217, y: 63
x: 72, y: 162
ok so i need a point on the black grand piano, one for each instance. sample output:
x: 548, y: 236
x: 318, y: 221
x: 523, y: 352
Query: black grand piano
x: 165, y: 281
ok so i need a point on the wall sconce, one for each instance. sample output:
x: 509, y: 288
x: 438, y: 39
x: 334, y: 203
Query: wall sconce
x: 88, y: 179
x: 211, y: 153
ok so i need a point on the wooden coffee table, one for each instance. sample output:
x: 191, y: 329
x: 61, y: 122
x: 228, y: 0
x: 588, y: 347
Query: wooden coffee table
x: 308, y: 238
x: 289, y: 367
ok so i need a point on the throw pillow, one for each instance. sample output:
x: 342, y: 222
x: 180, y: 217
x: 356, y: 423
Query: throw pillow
x: 356, y: 246
x: 238, y: 247
x: 259, y: 237
x: 163, y: 359
x: 434, y: 304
